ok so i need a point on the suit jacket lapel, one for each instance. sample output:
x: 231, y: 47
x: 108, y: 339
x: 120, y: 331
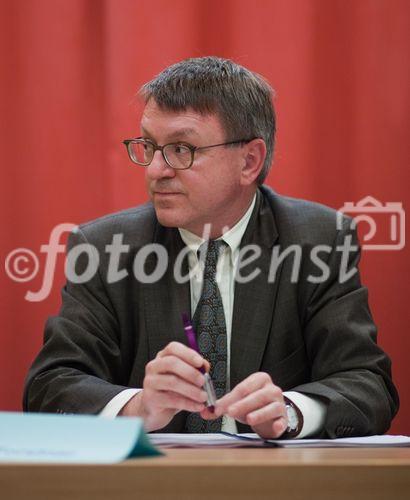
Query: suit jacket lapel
x: 166, y: 300
x: 254, y: 301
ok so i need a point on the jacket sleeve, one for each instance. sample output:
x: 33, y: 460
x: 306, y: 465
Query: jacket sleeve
x: 349, y: 370
x: 79, y: 368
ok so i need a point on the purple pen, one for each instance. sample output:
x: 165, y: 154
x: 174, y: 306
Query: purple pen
x: 193, y: 344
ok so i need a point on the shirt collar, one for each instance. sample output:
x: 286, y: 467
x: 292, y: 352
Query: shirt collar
x: 232, y: 237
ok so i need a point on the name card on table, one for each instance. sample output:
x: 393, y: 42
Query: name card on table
x: 52, y: 438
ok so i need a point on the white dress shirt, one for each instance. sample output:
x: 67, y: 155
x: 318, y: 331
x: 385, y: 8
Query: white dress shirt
x: 313, y: 410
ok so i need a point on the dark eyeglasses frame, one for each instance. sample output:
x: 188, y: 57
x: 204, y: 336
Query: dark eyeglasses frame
x: 193, y: 149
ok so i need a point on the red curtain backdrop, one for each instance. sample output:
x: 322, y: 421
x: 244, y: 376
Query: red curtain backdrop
x: 70, y: 70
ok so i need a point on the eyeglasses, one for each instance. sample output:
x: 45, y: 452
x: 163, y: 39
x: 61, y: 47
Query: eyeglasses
x: 178, y: 155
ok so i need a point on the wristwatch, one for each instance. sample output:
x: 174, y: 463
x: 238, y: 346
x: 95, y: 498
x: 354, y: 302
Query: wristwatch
x: 295, y: 420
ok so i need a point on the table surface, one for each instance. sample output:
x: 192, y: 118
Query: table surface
x: 326, y: 473
x: 279, y: 456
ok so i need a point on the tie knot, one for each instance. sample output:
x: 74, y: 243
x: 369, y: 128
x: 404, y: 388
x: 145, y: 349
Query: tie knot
x: 216, y: 245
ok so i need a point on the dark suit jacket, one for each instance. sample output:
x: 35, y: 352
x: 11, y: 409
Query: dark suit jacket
x: 318, y: 339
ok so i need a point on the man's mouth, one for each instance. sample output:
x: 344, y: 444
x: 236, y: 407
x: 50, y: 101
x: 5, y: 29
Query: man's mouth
x: 166, y: 193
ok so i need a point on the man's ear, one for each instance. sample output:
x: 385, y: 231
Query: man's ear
x: 254, y: 158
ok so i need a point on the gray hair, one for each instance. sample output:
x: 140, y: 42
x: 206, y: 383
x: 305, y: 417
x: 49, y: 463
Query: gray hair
x: 241, y: 98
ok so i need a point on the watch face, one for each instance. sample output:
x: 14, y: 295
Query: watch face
x: 293, y: 420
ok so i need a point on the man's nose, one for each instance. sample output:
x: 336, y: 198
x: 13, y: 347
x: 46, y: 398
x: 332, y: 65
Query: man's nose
x: 159, y: 168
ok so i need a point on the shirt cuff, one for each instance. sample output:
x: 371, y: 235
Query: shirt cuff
x: 117, y: 403
x: 313, y: 411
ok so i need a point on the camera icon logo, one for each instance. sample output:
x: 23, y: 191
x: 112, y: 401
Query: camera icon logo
x: 385, y: 223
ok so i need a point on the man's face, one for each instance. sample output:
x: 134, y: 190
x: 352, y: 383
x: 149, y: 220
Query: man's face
x: 211, y: 190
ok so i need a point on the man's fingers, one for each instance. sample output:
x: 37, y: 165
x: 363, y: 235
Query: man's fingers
x: 174, y: 365
x: 173, y: 380
x: 272, y: 411
x: 207, y: 414
x: 246, y: 387
x: 206, y: 365
x: 174, y: 401
x: 258, y: 399
x: 183, y: 352
x: 279, y: 426
x: 176, y: 385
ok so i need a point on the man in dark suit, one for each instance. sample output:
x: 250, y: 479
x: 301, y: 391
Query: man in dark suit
x: 295, y: 346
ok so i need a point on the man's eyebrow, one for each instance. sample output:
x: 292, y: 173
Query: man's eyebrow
x: 181, y: 134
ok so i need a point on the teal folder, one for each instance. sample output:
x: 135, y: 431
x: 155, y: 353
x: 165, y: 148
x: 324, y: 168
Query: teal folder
x: 52, y: 438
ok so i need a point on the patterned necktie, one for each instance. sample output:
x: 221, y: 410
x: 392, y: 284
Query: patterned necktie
x: 210, y: 327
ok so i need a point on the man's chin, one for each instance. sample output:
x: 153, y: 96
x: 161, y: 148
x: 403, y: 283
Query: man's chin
x: 168, y: 219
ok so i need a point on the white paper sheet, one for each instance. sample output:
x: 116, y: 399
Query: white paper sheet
x: 224, y: 440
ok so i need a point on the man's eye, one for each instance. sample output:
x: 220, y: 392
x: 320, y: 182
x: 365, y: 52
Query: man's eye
x: 180, y: 149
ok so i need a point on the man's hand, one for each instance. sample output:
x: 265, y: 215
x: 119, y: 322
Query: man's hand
x: 172, y: 383
x: 256, y: 401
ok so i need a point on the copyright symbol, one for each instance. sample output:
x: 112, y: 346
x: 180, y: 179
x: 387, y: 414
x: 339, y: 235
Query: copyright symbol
x: 21, y: 265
